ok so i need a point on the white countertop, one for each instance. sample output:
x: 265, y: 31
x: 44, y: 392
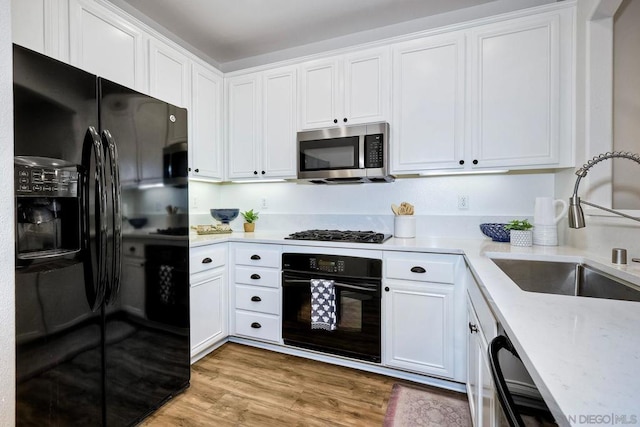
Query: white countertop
x: 583, y: 353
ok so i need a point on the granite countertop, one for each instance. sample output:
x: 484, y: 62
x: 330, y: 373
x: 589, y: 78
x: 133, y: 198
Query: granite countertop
x: 583, y: 353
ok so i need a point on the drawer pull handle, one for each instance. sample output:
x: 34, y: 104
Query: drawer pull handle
x: 255, y: 257
x: 256, y: 299
x: 255, y: 276
x: 473, y: 328
x: 418, y: 269
x: 207, y: 260
x: 256, y: 325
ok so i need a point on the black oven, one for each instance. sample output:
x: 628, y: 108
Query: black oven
x: 348, y: 289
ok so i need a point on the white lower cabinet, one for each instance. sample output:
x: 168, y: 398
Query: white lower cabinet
x: 481, y: 328
x: 208, y: 298
x: 420, y: 315
x: 256, y: 293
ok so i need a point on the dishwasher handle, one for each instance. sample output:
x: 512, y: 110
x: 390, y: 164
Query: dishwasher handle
x: 504, y: 395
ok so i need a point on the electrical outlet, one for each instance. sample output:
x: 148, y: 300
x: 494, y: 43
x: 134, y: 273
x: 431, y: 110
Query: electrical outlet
x: 195, y: 202
x: 463, y: 202
x: 263, y: 203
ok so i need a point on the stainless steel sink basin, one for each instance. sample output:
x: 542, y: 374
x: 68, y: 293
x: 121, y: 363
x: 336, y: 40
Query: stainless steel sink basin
x: 567, y: 278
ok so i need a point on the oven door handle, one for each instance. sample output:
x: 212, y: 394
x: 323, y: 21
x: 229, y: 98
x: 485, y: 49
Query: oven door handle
x: 372, y: 288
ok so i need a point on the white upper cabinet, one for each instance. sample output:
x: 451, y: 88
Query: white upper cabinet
x: 41, y: 25
x: 261, y: 111
x: 105, y: 44
x: 205, y: 140
x: 243, y: 125
x: 279, y: 123
x: 520, y: 91
x: 346, y: 89
x: 427, y: 130
x: 169, y: 74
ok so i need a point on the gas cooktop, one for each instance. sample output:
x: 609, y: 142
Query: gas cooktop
x: 340, y: 236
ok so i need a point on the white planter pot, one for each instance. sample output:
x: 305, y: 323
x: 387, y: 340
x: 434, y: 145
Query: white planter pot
x: 521, y: 238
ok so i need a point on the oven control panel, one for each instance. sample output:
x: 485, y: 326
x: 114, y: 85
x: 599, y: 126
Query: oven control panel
x: 337, y: 265
x: 326, y: 265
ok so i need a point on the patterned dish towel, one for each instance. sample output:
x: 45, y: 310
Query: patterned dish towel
x: 165, y: 288
x: 323, y: 305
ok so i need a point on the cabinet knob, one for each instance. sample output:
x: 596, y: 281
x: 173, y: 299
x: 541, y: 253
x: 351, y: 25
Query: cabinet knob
x: 344, y: 120
x: 189, y: 169
x: 335, y: 120
x: 256, y: 299
x: 386, y: 289
x: 255, y: 172
x: 207, y: 260
x: 418, y: 269
x: 255, y: 276
x: 132, y: 249
x: 263, y: 172
x: 473, y: 328
x: 197, y: 170
x: 461, y: 162
x: 256, y: 325
x: 255, y: 257
x: 475, y: 162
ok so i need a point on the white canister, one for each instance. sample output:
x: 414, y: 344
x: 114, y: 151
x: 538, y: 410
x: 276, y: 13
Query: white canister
x: 404, y: 226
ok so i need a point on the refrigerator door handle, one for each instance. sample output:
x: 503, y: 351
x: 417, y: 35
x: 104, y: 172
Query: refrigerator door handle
x: 116, y: 220
x: 94, y: 284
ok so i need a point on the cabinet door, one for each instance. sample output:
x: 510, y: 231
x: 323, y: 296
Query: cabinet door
x: 515, y: 93
x: 428, y: 104
x: 205, y: 143
x: 367, y: 77
x: 104, y: 44
x: 243, y: 126
x: 419, y: 333
x: 208, y: 312
x: 40, y: 25
x: 169, y: 74
x: 278, y: 124
x: 320, y: 93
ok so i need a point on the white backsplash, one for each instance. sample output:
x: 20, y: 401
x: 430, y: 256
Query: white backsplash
x: 295, y: 207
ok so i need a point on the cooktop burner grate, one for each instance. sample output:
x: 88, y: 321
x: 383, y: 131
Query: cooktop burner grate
x: 174, y: 231
x: 340, y: 236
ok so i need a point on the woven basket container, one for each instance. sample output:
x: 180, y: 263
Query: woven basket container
x: 496, y: 231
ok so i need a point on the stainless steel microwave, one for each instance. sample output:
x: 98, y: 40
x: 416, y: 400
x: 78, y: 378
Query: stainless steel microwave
x: 349, y: 154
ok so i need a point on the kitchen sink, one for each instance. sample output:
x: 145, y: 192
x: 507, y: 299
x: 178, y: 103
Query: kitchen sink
x: 567, y: 278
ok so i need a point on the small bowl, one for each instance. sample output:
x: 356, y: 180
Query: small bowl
x: 225, y: 215
x: 496, y: 231
x: 137, y: 222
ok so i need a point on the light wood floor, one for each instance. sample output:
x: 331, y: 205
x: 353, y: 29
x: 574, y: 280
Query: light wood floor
x: 238, y: 385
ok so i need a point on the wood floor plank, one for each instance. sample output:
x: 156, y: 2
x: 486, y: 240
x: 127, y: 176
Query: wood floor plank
x: 239, y: 385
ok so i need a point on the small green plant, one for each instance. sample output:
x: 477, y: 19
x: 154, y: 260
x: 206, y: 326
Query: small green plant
x: 519, y: 225
x: 250, y: 216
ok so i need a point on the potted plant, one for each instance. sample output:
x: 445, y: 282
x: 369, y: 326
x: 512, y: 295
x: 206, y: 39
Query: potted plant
x: 249, y: 217
x: 520, y: 232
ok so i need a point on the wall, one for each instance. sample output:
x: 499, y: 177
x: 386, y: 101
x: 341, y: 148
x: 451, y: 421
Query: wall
x: 7, y: 284
x: 293, y: 207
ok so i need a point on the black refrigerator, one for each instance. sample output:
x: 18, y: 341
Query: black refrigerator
x: 95, y: 346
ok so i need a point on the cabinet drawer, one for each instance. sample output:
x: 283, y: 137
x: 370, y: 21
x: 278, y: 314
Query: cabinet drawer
x: 259, y: 256
x: 256, y: 325
x: 258, y: 276
x: 133, y: 249
x: 258, y: 299
x: 207, y: 257
x: 421, y: 267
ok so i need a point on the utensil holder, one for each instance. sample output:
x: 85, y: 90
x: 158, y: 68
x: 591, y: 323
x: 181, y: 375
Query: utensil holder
x: 404, y: 226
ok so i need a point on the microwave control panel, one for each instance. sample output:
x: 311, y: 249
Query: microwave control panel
x: 374, y: 151
x: 44, y: 181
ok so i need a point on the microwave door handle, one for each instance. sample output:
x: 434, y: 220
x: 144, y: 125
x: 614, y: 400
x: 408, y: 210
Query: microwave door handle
x: 116, y: 220
x: 361, y: 154
x: 94, y: 283
x: 504, y: 395
x: 371, y: 288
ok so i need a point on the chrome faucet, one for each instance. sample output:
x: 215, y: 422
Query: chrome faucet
x: 576, y: 215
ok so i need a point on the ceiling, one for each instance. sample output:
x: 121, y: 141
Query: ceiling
x: 234, y: 30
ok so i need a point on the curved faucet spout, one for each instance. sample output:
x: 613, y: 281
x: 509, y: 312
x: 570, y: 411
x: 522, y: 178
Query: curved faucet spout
x: 576, y: 215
